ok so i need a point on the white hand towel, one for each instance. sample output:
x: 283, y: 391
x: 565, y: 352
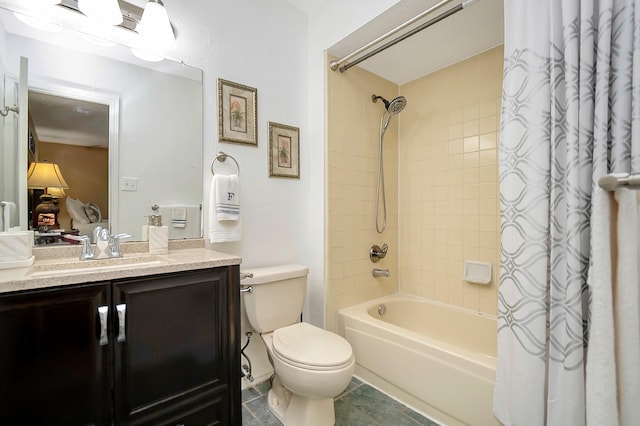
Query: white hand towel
x: 227, y: 201
x: 179, y: 216
x: 222, y: 231
x: 626, y: 307
x: 8, y: 215
x: 600, y: 377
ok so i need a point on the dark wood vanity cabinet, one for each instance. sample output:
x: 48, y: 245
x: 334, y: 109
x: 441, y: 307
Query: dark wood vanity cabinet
x: 53, y: 369
x: 169, y: 354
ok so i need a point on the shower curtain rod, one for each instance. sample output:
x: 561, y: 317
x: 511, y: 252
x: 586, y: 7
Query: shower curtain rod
x: 614, y: 181
x: 335, y: 65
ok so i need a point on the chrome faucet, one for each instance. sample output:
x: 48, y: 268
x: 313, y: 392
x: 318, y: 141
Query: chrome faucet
x: 95, y: 235
x: 380, y: 273
x: 102, y: 235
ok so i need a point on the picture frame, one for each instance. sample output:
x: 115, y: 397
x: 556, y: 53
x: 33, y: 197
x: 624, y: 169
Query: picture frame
x: 237, y: 113
x: 284, y: 151
x: 31, y: 145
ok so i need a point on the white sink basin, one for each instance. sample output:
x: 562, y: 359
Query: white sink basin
x: 93, y: 266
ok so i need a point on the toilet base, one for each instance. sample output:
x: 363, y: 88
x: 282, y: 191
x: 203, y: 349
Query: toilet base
x: 295, y: 410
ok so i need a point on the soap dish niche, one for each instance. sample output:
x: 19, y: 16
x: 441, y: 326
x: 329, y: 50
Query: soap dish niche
x: 477, y: 272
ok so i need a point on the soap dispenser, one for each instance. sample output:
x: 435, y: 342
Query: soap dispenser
x: 158, y: 235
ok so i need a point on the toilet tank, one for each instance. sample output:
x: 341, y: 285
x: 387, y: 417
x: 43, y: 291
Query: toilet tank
x: 277, y: 296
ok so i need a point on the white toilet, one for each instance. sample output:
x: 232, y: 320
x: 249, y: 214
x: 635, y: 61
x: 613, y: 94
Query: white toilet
x: 312, y: 365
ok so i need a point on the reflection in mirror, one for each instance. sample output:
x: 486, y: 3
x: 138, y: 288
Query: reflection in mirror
x: 74, y: 134
x: 154, y: 154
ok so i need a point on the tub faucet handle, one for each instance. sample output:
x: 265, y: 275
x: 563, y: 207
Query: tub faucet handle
x: 376, y: 252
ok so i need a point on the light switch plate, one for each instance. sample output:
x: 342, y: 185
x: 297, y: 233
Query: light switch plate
x: 128, y: 184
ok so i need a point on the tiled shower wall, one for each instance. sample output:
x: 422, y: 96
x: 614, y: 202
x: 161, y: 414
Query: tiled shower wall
x: 448, y: 181
x: 441, y: 175
x: 352, y: 161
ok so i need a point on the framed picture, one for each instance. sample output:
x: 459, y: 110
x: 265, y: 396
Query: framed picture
x: 237, y: 113
x: 284, y: 150
x: 32, y: 146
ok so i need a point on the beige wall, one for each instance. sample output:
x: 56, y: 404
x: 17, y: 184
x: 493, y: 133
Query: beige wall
x: 352, y: 161
x: 448, y: 181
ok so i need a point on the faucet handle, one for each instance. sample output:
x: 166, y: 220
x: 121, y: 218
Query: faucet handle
x: 376, y: 253
x: 115, y: 244
x: 87, y: 252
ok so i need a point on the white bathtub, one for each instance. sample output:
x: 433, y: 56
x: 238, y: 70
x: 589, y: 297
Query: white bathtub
x: 437, y: 358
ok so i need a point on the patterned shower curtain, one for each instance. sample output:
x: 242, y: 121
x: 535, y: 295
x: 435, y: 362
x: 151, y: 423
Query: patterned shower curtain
x: 569, y: 116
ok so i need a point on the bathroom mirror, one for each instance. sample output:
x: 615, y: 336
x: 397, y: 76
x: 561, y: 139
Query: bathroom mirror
x: 154, y: 124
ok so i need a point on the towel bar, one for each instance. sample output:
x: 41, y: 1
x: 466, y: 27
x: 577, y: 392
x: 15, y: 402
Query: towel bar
x: 624, y: 180
x: 222, y: 157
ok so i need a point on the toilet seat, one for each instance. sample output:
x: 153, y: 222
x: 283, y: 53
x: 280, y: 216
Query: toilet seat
x: 306, y: 346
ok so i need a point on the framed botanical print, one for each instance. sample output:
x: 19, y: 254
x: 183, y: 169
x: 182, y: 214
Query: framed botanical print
x: 284, y: 150
x: 237, y: 113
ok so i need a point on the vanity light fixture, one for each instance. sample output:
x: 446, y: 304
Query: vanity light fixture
x: 105, y: 11
x: 155, y: 26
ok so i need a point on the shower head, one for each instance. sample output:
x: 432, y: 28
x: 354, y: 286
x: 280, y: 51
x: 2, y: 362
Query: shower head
x: 395, y: 106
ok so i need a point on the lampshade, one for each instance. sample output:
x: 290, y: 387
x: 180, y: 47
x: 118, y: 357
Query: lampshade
x: 106, y: 11
x: 154, y: 24
x: 45, y: 175
x: 56, y: 192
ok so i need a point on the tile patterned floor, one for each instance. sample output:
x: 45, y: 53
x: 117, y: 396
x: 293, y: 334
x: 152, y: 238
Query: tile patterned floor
x: 359, y: 405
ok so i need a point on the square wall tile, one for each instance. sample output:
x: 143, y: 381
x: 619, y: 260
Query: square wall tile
x: 465, y: 175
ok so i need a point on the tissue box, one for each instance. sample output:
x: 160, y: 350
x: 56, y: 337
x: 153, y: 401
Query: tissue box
x: 16, y: 249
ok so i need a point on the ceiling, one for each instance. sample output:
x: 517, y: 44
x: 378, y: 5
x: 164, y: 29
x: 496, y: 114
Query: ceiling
x: 478, y: 27
x: 69, y: 121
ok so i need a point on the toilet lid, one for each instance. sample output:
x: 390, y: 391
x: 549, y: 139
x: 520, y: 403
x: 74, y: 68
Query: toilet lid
x: 306, y: 344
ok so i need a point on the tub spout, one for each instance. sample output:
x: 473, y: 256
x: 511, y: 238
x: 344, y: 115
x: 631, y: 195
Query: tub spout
x: 380, y: 272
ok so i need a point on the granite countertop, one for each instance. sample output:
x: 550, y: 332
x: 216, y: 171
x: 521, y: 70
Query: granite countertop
x: 58, y: 266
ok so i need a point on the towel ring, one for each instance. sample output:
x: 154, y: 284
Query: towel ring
x: 222, y: 157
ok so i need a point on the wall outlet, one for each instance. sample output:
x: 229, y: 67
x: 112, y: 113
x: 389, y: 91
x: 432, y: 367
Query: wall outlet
x: 128, y: 184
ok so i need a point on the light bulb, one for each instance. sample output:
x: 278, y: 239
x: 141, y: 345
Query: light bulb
x: 155, y: 26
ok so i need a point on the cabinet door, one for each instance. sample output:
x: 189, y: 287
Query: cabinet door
x: 174, y: 349
x: 53, y: 369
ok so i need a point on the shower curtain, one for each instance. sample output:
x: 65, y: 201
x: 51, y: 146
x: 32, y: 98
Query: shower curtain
x: 569, y: 116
